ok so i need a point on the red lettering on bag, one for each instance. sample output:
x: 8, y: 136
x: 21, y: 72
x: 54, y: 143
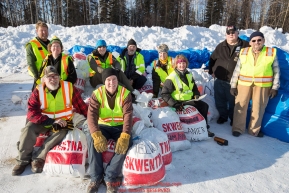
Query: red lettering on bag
x: 165, y: 147
x: 172, y: 126
x: 138, y: 164
x: 68, y: 146
x: 145, y: 165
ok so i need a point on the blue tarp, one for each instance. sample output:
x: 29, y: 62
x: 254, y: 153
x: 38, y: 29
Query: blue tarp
x: 196, y: 57
x: 276, y: 118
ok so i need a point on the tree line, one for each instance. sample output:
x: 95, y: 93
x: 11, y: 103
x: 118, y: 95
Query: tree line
x: 165, y: 13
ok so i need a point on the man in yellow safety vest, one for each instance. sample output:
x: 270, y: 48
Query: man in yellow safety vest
x: 36, y: 51
x: 50, y: 108
x: 109, y: 117
x: 256, y: 77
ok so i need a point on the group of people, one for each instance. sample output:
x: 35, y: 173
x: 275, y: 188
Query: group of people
x: 55, y: 105
x: 244, y: 71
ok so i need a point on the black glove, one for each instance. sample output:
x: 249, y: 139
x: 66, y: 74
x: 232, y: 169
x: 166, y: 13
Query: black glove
x: 234, y: 91
x: 56, y: 127
x: 273, y: 93
x: 178, y: 106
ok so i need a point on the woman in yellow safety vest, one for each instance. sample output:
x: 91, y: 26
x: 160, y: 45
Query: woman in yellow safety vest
x: 62, y: 62
x: 162, y: 67
x: 180, y: 87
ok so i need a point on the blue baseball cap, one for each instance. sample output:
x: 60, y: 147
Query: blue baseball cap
x: 100, y: 43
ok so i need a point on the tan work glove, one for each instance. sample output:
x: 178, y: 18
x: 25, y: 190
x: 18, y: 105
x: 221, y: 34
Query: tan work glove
x: 99, y: 141
x: 122, y: 143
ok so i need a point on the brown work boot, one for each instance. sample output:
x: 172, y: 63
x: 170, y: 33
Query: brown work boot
x: 94, y: 186
x: 37, y: 165
x: 112, y: 187
x: 18, y: 169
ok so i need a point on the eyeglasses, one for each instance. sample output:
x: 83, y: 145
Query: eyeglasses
x: 258, y: 40
x: 52, y: 77
x: 232, y: 32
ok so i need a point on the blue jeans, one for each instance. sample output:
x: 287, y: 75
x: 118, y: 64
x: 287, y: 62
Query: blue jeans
x: 225, y: 102
x: 114, y: 167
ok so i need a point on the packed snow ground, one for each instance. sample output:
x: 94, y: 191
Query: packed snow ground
x: 247, y: 164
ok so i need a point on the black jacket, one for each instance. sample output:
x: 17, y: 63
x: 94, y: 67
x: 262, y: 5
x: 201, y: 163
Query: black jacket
x: 169, y: 88
x: 223, y: 60
x: 130, y: 66
x: 72, y: 76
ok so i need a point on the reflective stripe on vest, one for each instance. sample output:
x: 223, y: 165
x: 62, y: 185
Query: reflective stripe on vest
x: 63, y: 98
x: 259, y: 73
x: 103, y: 64
x: 108, y: 116
x: 40, y: 48
x: 244, y: 51
x: 40, y: 53
x: 182, y: 91
x: 138, y: 62
x: 64, y: 67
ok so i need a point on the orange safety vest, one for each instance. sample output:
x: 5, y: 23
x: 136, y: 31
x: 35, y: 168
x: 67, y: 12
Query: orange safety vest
x: 60, y: 106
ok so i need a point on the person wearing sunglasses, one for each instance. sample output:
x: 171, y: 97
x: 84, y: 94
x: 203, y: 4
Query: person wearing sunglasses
x: 221, y: 66
x: 256, y: 77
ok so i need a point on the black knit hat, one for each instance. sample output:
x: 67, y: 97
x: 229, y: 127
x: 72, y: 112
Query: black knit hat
x: 108, y: 72
x: 255, y: 34
x: 131, y: 42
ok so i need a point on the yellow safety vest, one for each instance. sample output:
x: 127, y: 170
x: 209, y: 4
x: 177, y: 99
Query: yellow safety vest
x: 163, y: 75
x: 60, y: 106
x: 64, y: 67
x: 182, y: 92
x: 138, y: 61
x: 107, y: 64
x: 40, y: 52
x: 260, y: 74
x: 108, y: 116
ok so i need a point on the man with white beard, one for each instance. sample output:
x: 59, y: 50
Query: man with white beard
x: 44, y: 115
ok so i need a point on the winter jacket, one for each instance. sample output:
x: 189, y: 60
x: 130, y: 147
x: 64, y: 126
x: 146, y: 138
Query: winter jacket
x: 169, y: 88
x: 223, y: 60
x: 35, y: 115
x: 32, y: 59
x: 93, y: 65
x: 137, y: 66
x: 57, y: 63
x: 94, y: 108
x: 167, y: 68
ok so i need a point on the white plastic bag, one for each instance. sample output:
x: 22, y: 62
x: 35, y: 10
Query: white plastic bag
x: 193, y: 123
x: 167, y: 120
x: 144, y: 113
x: 153, y: 134
x: 143, y: 165
x: 68, y: 158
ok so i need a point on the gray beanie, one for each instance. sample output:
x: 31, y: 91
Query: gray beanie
x: 163, y: 48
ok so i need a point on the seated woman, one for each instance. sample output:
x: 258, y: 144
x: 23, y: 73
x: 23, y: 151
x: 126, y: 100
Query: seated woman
x: 180, y: 87
x: 162, y: 67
